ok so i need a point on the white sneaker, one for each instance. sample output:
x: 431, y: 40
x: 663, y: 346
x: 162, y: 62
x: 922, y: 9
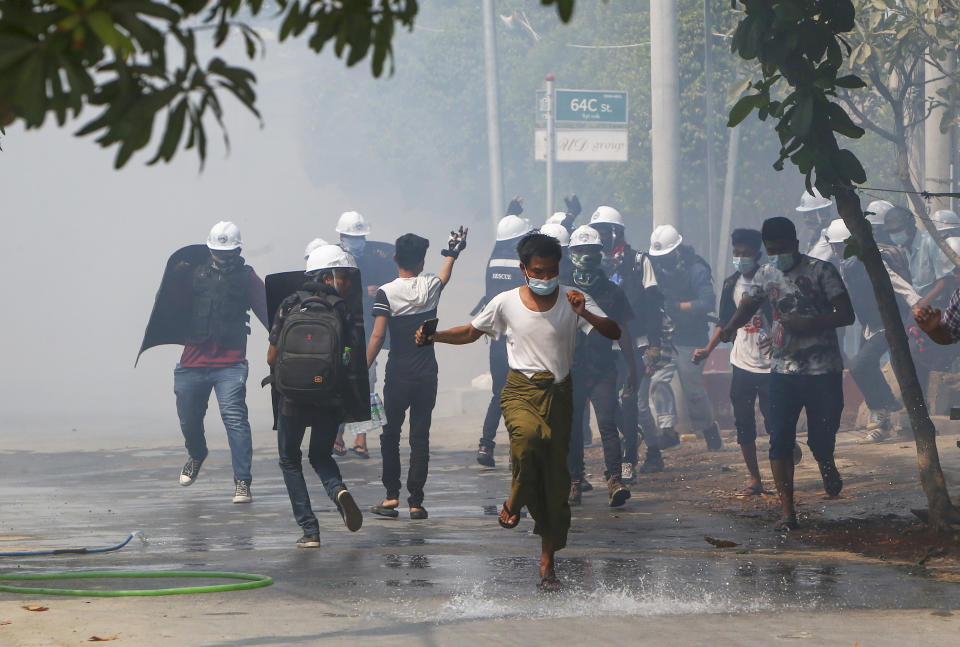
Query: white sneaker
x: 242, y: 493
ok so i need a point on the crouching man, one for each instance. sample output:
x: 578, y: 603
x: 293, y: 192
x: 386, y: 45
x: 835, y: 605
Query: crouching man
x: 537, y: 401
x: 315, y: 342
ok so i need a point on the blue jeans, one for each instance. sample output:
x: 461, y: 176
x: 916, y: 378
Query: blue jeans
x: 192, y: 386
x: 323, y: 432
x: 498, y: 371
x: 691, y: 383
x: 821, y: 396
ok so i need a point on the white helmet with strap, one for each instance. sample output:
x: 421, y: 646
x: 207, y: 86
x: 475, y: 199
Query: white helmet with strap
x: 312, y: 245
x: 878, y: 209
x: 330, y: 257
x: 557, y: 231
x: 224, y: 236
x: 945, y: 219
x: 512, y: 227
x: 813, y: 201
x: 664, y: 240
x: 837, y: 231
x: 557, y: 218
x: 585, y: 235
x: 606, y: 215
x: 351, y: 223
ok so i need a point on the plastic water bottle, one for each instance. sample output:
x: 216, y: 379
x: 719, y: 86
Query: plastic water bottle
x: 346, y: 355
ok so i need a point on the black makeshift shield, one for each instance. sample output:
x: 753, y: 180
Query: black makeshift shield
x: 170, y: 319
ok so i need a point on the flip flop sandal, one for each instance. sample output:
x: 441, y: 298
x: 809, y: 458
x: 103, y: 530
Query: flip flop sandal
x: 507, y: 524
x: 361, y: 452
x: 384, y: 511
x: 751, y: 490
x: 339, y: 450
x: 418, y: 514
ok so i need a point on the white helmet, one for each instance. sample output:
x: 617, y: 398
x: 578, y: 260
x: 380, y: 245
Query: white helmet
x: 878, y: 209
x: 556, y: 219
x: 352, y: 223
x: 954, y: 243
x: 557, y: 231
x: 945, y: 219
x: 224, y: 236
x: 837, y: 231
x: 312, y: 245
x: 512, y: 227
x: 664, y: 240
x: 328, y: 257
x: 585, y: 235
x: 606, y: 215
x: 812, y: 202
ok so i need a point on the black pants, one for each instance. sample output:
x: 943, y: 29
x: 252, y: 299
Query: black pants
x: 498, y: 371
x: 865, y: 369
x: 399, y: 394
x: 601, y: 390
x: 746, y: 388
x: 821, y: 396
x: 323, y: 431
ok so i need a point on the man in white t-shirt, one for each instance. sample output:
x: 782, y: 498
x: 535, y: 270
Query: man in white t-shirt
x: 749, y: 356
x: 537, y: 401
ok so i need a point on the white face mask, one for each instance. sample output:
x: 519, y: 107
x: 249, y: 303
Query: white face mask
x: 543, y: 287
x: 744, y: 264
x: 353, y: 244
x: 899, y: 238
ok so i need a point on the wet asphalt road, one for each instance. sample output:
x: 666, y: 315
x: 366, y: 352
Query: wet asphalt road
x: 644, y: 560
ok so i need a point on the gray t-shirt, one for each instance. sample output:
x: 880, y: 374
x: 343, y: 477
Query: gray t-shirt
x: 807, y: 291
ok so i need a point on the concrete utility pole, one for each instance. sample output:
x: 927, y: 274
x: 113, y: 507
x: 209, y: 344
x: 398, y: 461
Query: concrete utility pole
x: 665, y: 95
x: 938, y: 146
x: 708, y: 123
x: 729, y: 188
x: 551, y: 144
x: 493, y: 114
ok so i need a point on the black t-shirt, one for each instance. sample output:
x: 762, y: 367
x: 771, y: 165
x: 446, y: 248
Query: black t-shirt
x: 594, y: 351
x: 407, y: 303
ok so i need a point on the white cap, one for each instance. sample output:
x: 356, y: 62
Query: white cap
x: 585, y: 235
x: 512, y: 227
x: 224, y: 236
x: 945, y: 219
x: 329, y: 257
x: 557, y: 231
x: 812, y: 202
x: 556, y: 219
x: 606, y: 215
x: 664, y: 240
x: 836, y: 231
x: 312, y: 245
x: 352, y: 223
x: 878, y: 209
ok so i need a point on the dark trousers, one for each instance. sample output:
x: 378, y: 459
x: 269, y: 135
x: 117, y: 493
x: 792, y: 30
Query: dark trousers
x: 399, y: 394
x: 821, y: 396
x: 865, y: 369
x: 600, y: 389
x: 746, y: 387
x: 498, y: 371
x: 323, y: 431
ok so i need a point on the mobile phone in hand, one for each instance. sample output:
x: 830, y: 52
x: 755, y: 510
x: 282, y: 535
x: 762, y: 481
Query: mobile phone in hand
x: 429, y: 327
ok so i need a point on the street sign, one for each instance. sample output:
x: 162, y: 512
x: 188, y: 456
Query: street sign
x: 584, y: 145
x: 586, y: 106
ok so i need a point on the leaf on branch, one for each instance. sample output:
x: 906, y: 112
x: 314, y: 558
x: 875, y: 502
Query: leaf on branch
x: 745, y: 106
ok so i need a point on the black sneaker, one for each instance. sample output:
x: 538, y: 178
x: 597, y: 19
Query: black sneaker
x: 309, y: 540
x: 618, y: 492
x: 190, y: 471
x: 712, y: 435
x: 352, y: 518
x: 653, y: 462
x: 242, y: 492
x: 485, y: 456
x: 585, y: 486
x: 832, y: 483
x: 575, y: 493
x: 669, y: 438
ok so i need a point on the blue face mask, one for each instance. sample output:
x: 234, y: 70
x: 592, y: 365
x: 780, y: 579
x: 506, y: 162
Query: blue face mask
x: 744, y: 264
x: 544, y: 287
x: 783, y: 262
x: 899, y: 237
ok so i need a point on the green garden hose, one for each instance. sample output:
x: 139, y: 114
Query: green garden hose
x: 250, y: 581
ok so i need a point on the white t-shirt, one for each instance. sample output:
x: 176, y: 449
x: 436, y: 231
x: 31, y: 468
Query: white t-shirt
x: 536, y: 341
x: 746, y: 353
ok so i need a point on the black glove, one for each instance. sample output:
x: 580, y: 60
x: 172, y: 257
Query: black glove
x: 515, y: 208
x: 573, y: 205
x: 456, y: 244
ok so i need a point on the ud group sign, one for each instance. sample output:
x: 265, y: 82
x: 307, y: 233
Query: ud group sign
x: 584, y: 144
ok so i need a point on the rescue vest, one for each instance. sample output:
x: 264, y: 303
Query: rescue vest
x: 219, y: 307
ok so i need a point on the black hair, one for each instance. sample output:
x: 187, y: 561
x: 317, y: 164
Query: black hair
x: 897, y: 217
x: 537, y: 244
x: 410, y: 251
x: 749, y: 237
x: 778, y: 228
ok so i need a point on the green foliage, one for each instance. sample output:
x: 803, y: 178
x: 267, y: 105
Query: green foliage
x: 800, y: 44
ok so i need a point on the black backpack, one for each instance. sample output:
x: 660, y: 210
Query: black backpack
x: 310, y: 352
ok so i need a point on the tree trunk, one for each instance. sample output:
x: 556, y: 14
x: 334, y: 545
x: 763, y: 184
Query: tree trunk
x: 941, y: 512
